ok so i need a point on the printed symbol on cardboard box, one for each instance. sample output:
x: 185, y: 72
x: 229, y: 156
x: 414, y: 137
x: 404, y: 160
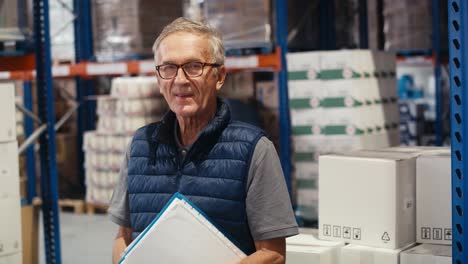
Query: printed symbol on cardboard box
x: 385, y: 237
x: 316, y: 130
x: 337, y: 231
x: 350, y: 130
x: 448, y: 233
x: 312, y: 75
x: 1, y: 247
x: 425, y: 233
x: 357, y: 233
x: 437, y: 233
x: 314, y: 102
x: 326, y: 230
x: 16, y: 244
x: 347, y: 73
x: 346, y: 232
x: 348, y: 101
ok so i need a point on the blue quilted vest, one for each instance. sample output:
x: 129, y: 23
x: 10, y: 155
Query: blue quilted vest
x: 212, y: 175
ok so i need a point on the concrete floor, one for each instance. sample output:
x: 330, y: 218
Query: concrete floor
x: 84, y: 239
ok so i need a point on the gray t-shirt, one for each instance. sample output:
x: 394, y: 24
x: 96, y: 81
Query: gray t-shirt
x: 268, y: 206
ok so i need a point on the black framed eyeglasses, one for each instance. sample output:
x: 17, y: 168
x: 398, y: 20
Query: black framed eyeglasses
x: 191, y: 69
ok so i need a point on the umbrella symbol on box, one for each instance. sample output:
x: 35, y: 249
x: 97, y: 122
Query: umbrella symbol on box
x: 448, y: 234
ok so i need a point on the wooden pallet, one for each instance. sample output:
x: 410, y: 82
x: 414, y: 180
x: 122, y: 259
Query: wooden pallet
x: 96, y: 208
x: 77, y: 206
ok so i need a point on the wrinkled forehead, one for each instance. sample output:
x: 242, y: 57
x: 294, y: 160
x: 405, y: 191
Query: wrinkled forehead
x: 181, y: 47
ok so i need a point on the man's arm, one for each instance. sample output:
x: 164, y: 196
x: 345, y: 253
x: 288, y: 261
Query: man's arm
x: 270, y: 251
x: 122, y: 240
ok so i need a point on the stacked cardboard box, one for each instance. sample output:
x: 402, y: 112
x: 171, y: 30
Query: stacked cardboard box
x: 123, y: 29
x: 411, y: 121
x: 408, y: 24
x: 10, y: 230
x: 244, y: 24
x: 368, y: 198
x: 63, y: 40
x: 306, y: 248
x: 10, y: 29
x: 427, y: 254
x: 339, y: 101
x: 133, y: 103
x: 19, y: 118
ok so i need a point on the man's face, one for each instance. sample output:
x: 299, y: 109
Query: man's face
x: 189, y: 96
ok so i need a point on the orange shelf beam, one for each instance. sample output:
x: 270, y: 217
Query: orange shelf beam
x: 91, y: 69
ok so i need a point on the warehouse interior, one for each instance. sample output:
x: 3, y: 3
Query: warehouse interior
x: 363, y: 101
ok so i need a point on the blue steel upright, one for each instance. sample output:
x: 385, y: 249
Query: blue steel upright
x: 458, y: 37
x: 84, y: 88
x: 45, y: 99
x: 285, y: 127
x: 28, y: 130
x: 439, y: 99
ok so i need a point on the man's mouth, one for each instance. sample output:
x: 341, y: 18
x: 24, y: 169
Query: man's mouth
x: 183, y: 95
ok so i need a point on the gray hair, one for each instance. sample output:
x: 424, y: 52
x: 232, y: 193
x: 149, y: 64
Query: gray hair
x: 182, y: 24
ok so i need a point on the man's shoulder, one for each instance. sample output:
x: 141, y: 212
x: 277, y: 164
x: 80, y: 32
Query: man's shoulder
x: 240, y: 126
x: 240, y: 131
x: 145, y: 132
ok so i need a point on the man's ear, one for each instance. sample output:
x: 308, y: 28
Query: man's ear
x: 221, y: 77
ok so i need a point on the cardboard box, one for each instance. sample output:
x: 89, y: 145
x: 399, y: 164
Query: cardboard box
x: 8, y: 112
x: 9, y: 169
x: 308, y: 254
x: 307, y: 204
x: 239, y: 85
x: 10, y: 230
x: 368, y: 198
x: 243, y: 23
x: 267, y: 93
x: 434, y: 199
x: 30, y: 233
x: 355, y: 254
x: 181, y: 226
x: 11, y: 259
x: 305, y: 248
x: 427, y: 254
x: 339, y: 143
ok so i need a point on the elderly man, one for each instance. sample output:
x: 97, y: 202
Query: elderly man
x: 229, y: 169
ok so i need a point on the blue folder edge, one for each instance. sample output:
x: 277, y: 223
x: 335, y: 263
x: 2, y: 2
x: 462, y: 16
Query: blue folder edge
x: 180, y: 197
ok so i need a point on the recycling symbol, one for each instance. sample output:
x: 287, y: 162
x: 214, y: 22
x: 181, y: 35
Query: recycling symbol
x: 385, y: 237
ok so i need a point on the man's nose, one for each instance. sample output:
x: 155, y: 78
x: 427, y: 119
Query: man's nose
x: 181, y: 77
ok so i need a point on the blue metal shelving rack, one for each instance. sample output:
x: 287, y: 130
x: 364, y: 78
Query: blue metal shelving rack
x: 45, y: 99
x: 84, y: 88
x: 439, y: 104
x: 285, y: 128
x: 458, y: 37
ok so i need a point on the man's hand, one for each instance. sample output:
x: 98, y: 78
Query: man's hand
x: 271, y: 251
x: 122, y: 240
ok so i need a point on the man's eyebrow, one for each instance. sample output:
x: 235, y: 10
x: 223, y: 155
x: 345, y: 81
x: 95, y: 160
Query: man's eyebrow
x: 167, y: 62
x: 186, y: 61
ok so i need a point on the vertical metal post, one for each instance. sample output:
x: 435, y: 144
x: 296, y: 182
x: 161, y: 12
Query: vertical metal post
x: 458, y: 37
x: 285, y: 126
x: 28, y: 130
x: 439, y: 99
x: 380, y: 26
x: 327, y: 25
x: 21, y: 8
x: 83, y: 52
x: 363, y: 25
x: 45, y: 98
